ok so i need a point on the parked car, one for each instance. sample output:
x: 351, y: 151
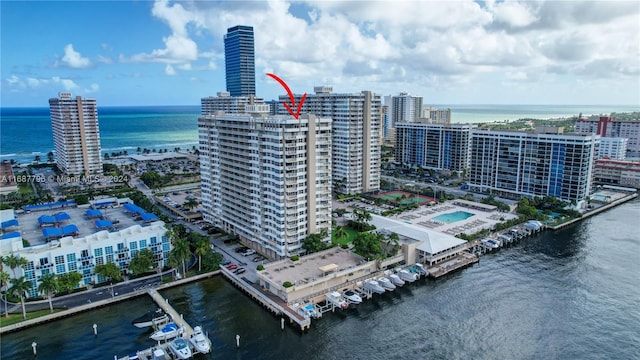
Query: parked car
x: 258, y: 258
x: 226, y: 262
x: 248, y: 252
x: 241, y: 249
x: 239, y: 271
x: 232, y: 267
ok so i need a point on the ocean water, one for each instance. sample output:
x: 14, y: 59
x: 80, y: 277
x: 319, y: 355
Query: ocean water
x: 571, y: 294
x: 26, y: 132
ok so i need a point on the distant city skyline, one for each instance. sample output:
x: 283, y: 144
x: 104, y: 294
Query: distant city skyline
x: 461, y: 52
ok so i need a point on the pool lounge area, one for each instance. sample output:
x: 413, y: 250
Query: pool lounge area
x: 449, y: 218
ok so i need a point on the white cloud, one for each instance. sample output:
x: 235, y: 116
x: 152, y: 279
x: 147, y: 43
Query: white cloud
x: 73, y: 58
x: 169, y: 70
x: 92, y: 88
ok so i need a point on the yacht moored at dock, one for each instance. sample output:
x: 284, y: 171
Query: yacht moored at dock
x: 336, y: 299
x: 352, y: 297
x: 180, y: 348
x: 386, y: 283
x: 395, y: 279
x: 151, y: 318
x: 406, y: 275
x: 199, y: 341
x: 374, y: 286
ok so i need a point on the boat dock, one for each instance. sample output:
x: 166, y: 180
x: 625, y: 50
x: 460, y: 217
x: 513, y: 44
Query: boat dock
x: 147, y: 354
x: 272, y: 303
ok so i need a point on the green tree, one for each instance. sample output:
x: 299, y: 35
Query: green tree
x: 152, y: 179
x: 180, y: 253
x: 142, y: 262
x: 393, y: 242
x: 368, y: 245
x: 19, y: 288
x: 190, y: 204
x: 110, y: 271
x: 315, y: 242
x: 48, y: 287
x: 340, y: 233
x: 4, y: 281
x: 203, y: 246
x: 50, y: 156
x: 15, y: 261
x: 211, y: 261
x: 69, y: 281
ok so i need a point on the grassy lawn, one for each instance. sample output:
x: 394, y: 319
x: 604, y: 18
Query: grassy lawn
x: 351, y: 235
x: 16, y: 318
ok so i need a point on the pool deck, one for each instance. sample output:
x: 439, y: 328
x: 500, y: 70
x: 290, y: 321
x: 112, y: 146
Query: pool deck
x: 424, y: 216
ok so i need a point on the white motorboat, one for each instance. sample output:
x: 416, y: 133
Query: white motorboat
x: 386, y: 283
x: 167, y: 332
x: 395, y: 279
x: 151, y: 318
x: 200, y: 342
x: 180, y: 348
x: 374, y: 286
x: 337, y: 300
x: 419, y: 269
x: 308, y: 311
x: 408, y: 276
x: 352, y: 297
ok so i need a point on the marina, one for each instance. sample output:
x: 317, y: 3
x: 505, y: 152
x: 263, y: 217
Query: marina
x: 175, y: 339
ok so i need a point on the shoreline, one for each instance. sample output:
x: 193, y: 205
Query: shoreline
x: 120, y: 298
x: 98, y: 304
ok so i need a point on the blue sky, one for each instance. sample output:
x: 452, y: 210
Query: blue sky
x: 449, y: 52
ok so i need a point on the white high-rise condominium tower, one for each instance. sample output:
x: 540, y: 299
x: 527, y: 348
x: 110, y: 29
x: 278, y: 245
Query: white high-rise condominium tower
x: 266, y: 178
x: 355, y: 135
x: 76, y: 134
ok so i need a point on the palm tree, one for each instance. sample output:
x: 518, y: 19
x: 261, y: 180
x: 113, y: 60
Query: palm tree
x: 50, y: 156
x: 48, y: 286
x: 181, y: 251
x: 190, y: 204
x: 4, y: 281
x: 20, y: 287
x: 202, y: 248
x: 340, y: 233
x: 15, y: 261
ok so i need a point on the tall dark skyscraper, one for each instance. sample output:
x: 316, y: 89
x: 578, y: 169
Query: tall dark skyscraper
x: 239, y: 61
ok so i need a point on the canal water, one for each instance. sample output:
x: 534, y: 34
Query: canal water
x: 572, y: 294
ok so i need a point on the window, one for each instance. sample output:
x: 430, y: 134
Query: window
x: 71, y: 257
x: 60, y: 269
x: 97, y: 252
x: 110, y: 258
x: 143, y: 244
x: 84, y: 253
x: 44, y: 261
x: 108, y: 250
x: 59, y: 259
x: 120, y: 246
x: 153, y: 240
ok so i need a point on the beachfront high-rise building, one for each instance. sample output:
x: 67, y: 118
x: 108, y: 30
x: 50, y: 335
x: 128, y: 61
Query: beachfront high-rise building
x: 76, y: 135
x: 606, y: 126
x: 516, y: 164
x: 266, y: 178
x: 437, y: 116
x: 229, y: 104
x: 433, y: 146
x: 355, y: 130
x: 239, y: 60
x: 612, y: 148
x: 403, y: 107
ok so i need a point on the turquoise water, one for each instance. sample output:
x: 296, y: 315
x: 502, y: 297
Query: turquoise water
x: 453, y: 217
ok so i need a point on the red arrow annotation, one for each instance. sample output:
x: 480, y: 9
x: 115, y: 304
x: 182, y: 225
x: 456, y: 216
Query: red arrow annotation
x: 293, y: 100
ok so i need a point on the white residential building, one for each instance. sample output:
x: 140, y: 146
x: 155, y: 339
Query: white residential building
x: 266, y: 178
x: 229, y: 104
x: 606, y: 126
x: 61, y: 238
x: 356, y: 128
x: 613, y: 148
x: 437, y: 116
x: 76, y: 135
x: 433, y: 146
x: 516, y: 164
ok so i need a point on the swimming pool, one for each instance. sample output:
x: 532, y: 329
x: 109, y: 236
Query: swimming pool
x: 449, y: 218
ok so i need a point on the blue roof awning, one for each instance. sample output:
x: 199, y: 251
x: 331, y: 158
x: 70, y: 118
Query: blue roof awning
x: 94, y: 213
x: 51, y: 232
x: 13, y: 234
x: 70, y: 229
x: 101, y: 224
x: 148, y: 217
x: 133, y: 208
x: 46, y: 220
x: 62, y: 216
x: 9, y: 223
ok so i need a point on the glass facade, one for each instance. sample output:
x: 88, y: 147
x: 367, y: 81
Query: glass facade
x: 239, y: 58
